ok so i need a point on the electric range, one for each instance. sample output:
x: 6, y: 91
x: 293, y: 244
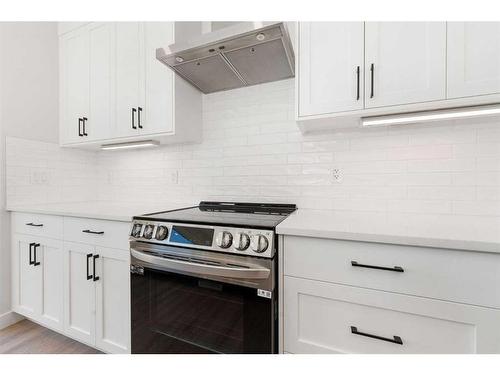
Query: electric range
x: 204, y: 279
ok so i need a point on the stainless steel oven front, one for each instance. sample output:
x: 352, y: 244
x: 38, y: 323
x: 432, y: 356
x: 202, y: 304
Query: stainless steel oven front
x: 188, y: 300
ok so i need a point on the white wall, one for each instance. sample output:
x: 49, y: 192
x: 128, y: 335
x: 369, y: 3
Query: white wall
x: 28, y: 106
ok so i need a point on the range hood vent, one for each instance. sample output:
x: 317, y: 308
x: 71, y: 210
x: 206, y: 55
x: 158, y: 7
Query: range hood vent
x: 245, y: 54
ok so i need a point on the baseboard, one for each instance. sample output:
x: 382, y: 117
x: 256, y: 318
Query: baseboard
x: 9, y: 318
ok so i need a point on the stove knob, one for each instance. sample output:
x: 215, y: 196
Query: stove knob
x: 161, y: 233
x: 136, y: 230
x: 242, y: 241
x: 224, y: 239
x: 259, y: 243
x: 148, y: 231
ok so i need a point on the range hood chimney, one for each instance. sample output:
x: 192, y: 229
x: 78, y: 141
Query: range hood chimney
x: 244, y: 54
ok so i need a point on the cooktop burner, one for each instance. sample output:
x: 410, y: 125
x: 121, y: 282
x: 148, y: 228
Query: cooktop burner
x: 257, y: 215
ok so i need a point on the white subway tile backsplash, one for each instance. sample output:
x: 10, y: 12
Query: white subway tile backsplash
x: 253, y: 150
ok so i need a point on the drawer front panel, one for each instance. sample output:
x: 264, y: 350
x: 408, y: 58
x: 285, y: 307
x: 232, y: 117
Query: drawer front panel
x: 37, y: 225
x: 460, y: 276
x: 330, y: 318
x: 113, y: 234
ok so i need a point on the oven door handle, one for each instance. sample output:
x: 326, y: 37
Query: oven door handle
x: 202, y: 269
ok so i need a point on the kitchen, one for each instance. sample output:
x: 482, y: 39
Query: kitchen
x: 251, y: 187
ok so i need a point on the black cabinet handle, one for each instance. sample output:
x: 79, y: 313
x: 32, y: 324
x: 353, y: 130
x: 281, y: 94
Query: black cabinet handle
x: 133, y: 118
x: 393, y: 269
x: 89, y: 277
x: 91, y: 231
x: 139, y: 110
x: 357, y: 82
x: 93, y: 267
x: 35, y: 246
x: 31, y: 249
x: 34, y: 225
x: 85, y: 119
x: 395, y: 340
x: 372, y: 73
x: 80, y: 121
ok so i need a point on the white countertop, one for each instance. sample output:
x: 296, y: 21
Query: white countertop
x: 95, y: 210
x: 477, y: 233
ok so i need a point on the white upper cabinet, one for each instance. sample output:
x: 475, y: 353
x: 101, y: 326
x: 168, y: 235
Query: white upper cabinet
x: 100, y: 114
x: 129, y: 78
x: 113, y: 89
x: 330, y: 77
x: 85, y: 100
x: 74, y: 84
x: 473, y: 58
x: 158, y: 116
x: 405, y: 62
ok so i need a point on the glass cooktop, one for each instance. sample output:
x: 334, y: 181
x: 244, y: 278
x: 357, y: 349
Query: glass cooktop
x: 261, y: 215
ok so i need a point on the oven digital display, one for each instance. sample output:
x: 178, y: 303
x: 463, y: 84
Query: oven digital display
x: 192, y: 235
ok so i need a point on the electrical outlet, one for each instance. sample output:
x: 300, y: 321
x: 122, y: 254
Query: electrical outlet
x: 337, y: 175
x: 39, y: 178
x: 174, y: 177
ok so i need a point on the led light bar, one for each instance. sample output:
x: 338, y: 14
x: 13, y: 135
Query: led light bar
x: 429, y: 116
x: 126, y: 145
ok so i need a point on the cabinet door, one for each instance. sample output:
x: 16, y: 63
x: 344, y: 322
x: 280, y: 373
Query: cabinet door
x: 101, y: 60
x: 79, y: 292
x: 330, y: 67
x: 113, y: 300
x: 74, y: 58
x: 331, y: 318
x: 158, y: 112
x: 405, y: 62
x: 129, y: 77
x: 473, y: 58
x: 49, y: 255
x: 26, y: 278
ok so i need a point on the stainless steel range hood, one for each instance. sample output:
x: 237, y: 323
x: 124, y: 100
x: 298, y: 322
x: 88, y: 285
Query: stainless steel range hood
x: 245, y: 54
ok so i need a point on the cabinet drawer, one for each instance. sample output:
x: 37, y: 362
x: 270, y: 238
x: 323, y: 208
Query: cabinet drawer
x: 319, y: 318
x: 460, y: 276
x: 113, y: 234
x: 37, y: 225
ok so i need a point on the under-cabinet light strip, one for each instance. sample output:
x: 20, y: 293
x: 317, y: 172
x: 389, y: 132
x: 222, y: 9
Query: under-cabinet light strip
x: 126, y: 145
x: 411, y: 118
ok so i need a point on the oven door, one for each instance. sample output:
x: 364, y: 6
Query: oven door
x: 191, y: 301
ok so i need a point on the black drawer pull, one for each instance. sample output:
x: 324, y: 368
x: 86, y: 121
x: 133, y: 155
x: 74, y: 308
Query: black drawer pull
x: 35, y: 246
x: 139, y: 110
x: 357, y: 82
x: 80, y: 121
x: 85, y: 119
x: 133, y: 118
x: 393, y: 269
x: 89, y: 277
x: 31, y: 249
x: 372, y: 73
x: 34, y: 225
x: 93, y: 267
x: 395, y: 340
x: 91, y: 231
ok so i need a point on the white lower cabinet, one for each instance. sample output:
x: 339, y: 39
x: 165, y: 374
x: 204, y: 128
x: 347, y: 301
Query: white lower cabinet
x: 97, y: 298
x: 321, y: 317
x: 73, y: 283
x: 79, y: 292
x: 113, y: 300
x: 37, y: 271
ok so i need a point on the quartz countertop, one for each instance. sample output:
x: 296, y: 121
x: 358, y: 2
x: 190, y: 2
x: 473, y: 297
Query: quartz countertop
x: 95, y: 210
x: 476, y: 233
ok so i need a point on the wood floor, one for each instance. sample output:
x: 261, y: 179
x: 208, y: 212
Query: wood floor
x: 27, y: 337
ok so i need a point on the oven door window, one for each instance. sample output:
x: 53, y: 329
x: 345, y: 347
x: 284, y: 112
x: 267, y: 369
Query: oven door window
x: 173, y: 313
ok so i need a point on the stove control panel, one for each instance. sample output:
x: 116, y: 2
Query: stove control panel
x: 251, y: 242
